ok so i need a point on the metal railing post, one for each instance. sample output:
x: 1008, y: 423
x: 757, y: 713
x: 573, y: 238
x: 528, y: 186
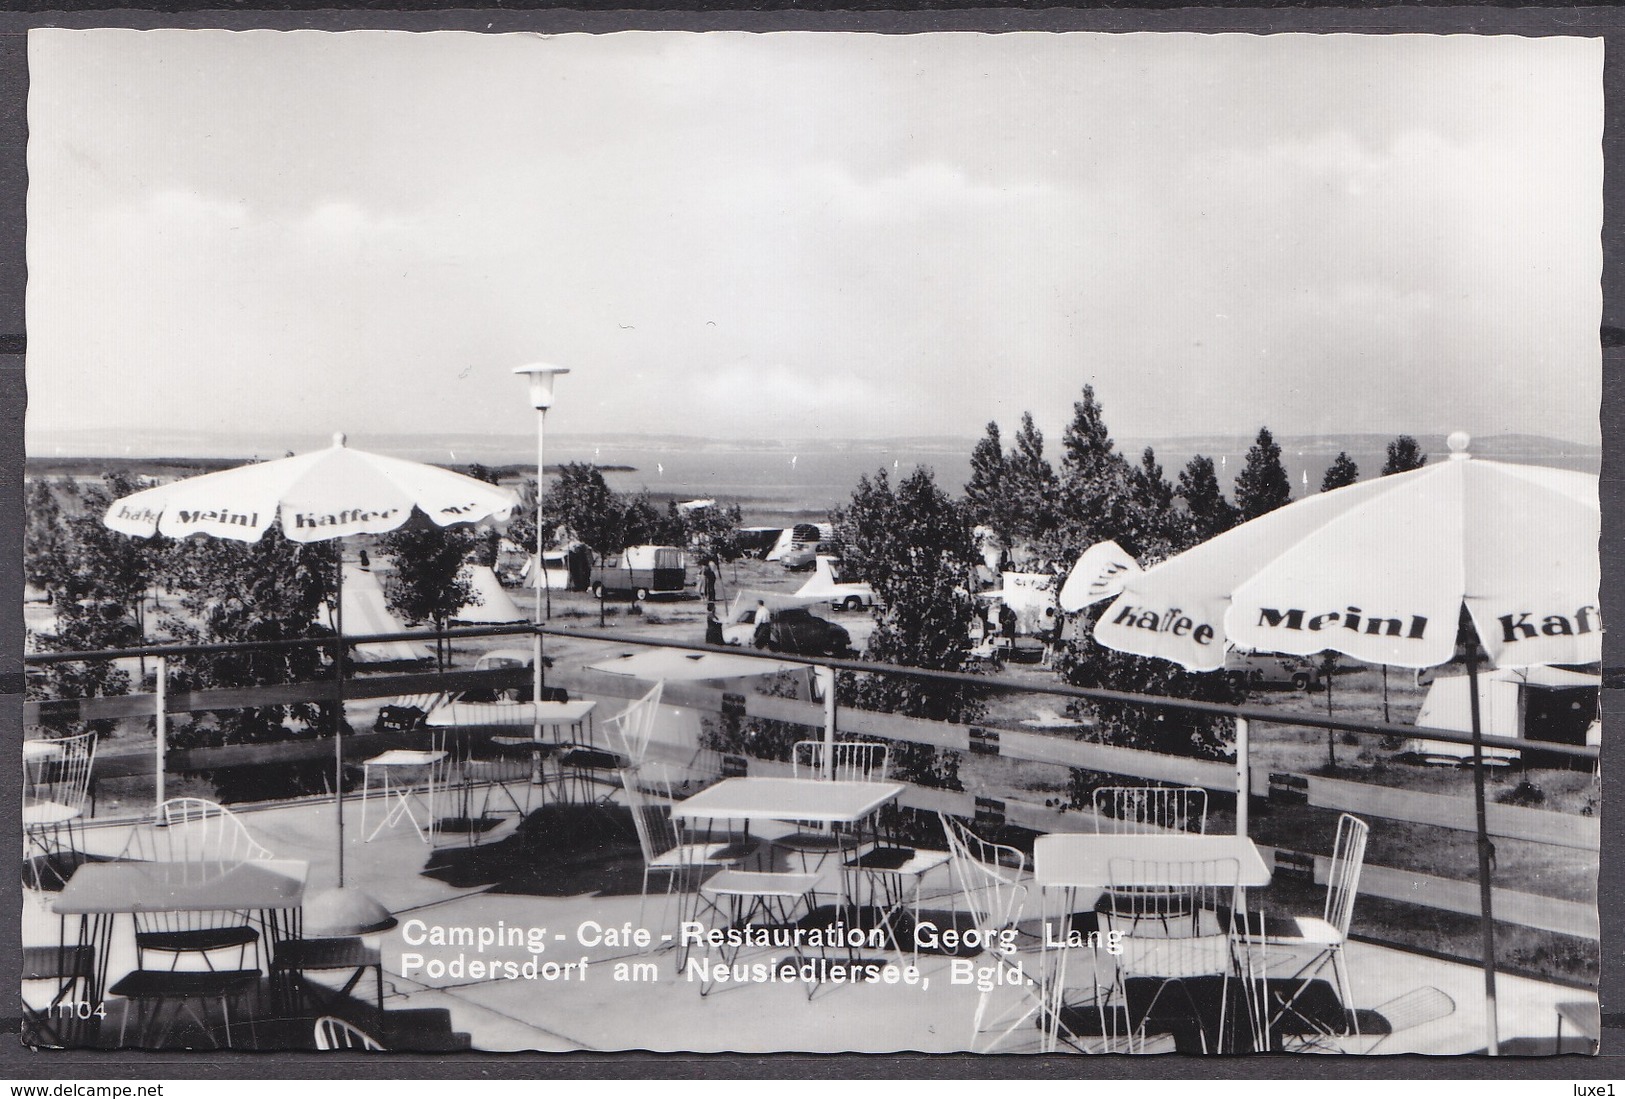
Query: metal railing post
x: 1243, y: 776
x: 162, y: 745
x: 826, y: 679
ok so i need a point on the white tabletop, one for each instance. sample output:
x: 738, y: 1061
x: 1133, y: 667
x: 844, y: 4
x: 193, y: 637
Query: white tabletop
x: 99, y: 888
x: 457, y: 714
x: 1067, y: 860
x: 36, y: 750
x: 787, y: 799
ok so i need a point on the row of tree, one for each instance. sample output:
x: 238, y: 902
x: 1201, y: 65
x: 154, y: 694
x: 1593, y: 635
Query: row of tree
x: 100, y: 584
x: 916, y: 546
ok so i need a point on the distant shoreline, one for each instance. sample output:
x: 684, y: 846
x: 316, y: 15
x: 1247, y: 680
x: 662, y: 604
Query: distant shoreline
x: 52, y: 466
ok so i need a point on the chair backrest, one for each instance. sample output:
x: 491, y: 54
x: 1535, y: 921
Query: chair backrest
x: 334, y: 1033
x: 63, y: 777
x: 1177, y: 919
x: 657, y: 833
x: 850, y: 761
x: 196, y: 831
x: 635, y: 724
x: 1348, y: 858
x: 1121, y: 810
x: 989, y: 876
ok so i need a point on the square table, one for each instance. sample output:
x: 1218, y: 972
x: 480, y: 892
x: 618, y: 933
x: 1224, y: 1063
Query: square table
x: 790, y: 799
x: 1078, y: 860
x: 510, y: 715
x: 1064, y: 863
x: 757, y: 799
x: 102, y: 891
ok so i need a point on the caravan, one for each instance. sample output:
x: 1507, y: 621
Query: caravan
x: 641, y: 571
x: 1554, y: 705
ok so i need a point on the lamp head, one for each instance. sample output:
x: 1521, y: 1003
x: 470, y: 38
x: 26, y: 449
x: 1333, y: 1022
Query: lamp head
x: 541, y: 382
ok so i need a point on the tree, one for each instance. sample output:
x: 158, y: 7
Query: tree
x: 430, y: 583
x: 1262, y: 486
x: 1207, y: 512
x: 1404, y: 455
x: 1340, y: 474
x: 583, y: 503
x: 1030, y: 487
x: 984, y: 492
x: 96, y: 578
x: 1154, y: 530
x: 487, y: 542
x: 45, y: 542
x: 1087, y: 445
x: 713, y: 530
x: 270, y: 590
x: 914, y: 545
x: 1095, y: 498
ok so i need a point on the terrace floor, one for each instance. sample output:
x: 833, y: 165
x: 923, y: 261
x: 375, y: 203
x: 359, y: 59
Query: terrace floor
x: 565, y: 868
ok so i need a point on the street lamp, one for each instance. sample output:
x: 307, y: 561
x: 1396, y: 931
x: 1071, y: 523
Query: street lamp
x: 541, y: 377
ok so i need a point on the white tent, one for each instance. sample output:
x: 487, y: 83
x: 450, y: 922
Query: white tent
x: 798, y: 533
x: 1507, y: 697
x: 367, y: 612
x: 1028, y: 594
x: 491, y: 604
x: 556, y: 574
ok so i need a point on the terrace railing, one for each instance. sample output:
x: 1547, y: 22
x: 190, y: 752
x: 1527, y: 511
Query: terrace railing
x: 988, y: 804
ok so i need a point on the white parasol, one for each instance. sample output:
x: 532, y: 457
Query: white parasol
x: 315, y: 497
x: 1389, y: 571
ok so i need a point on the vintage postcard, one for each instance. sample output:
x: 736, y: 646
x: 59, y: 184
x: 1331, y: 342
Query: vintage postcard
x: 1051, y: 543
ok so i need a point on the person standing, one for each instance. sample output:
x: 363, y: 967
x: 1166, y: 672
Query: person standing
x: 708, y: 584
x: 763, y: 636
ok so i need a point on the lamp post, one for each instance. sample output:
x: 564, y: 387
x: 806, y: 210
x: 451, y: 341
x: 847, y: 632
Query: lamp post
x: 541, y: 377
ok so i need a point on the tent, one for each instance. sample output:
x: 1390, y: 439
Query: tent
x: 1029, y: 594
x: 1534, y: 704
x: 806, y: 534
x: 492, y: 603
x: 366, y: 611
x: 757, y: 541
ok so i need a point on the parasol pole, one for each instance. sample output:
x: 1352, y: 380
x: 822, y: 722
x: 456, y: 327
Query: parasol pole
x: 338, y: 705
x: 1486, y: 850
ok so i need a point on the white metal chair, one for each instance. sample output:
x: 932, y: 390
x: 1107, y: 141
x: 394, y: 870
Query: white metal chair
x: 1322, y: 938
x: 761, y: 898
x: 663, y: 848
x: 989, y: 877
x: 849, y: 761
x: 1174, y: 966
x: 629, y: 734
x: 56, y: 786
x: 211, y: 838
x: 396, y: 776
x: 334, y: 1033
x: 1122, y: 810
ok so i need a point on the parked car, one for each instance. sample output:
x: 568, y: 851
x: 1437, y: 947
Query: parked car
x: 829, y: 583
x: 501, y: 658
x: 804, y: 555
x: 641, y: 571
x: 1271, y: 670
x: 794, y: 630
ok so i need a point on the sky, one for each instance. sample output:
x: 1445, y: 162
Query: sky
x: 813, y: 235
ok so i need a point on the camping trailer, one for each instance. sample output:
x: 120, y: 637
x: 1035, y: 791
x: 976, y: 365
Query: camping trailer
x: 642, y: 571
x: 1554, y: 705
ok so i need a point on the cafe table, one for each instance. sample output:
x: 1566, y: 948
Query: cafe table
x: 100, y: 892
x: 567, y: 722
x: 1068, y: 864
x: 755, y: 800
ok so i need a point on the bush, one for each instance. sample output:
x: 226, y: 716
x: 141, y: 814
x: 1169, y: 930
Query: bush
x: 1525, y: 793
